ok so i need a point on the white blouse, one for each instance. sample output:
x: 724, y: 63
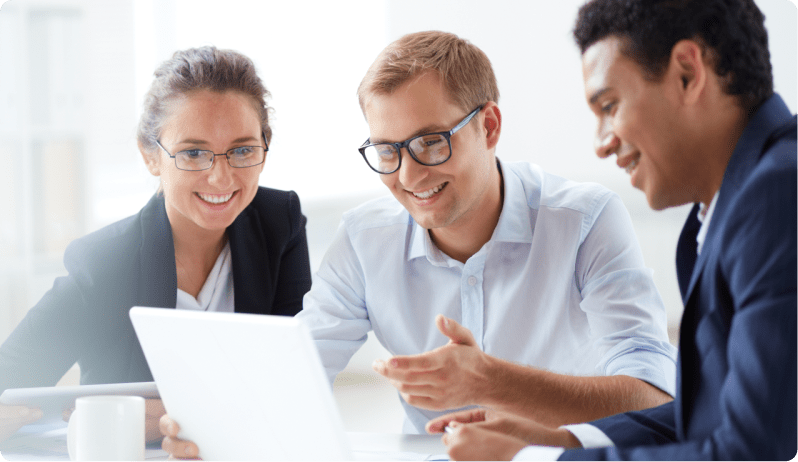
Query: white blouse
x: 217, y: 292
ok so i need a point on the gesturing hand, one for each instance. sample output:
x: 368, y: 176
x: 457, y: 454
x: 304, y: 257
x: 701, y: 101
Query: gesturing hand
x: 453, y: 375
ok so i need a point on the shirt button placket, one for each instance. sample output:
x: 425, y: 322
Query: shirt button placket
x: 472, y: 298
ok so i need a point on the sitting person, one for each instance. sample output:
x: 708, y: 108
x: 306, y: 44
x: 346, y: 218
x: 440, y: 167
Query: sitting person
x: 486, y: 279
x: 683, y: 95
x: 210, y: 239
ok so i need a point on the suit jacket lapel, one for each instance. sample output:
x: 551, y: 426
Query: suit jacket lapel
x: 250, y: 258
x: 157, y: 271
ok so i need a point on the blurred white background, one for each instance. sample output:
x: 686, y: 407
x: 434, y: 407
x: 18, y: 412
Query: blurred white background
x: 73, y: 74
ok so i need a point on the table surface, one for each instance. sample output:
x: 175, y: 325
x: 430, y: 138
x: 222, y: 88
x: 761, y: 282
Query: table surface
x: 48, y: 442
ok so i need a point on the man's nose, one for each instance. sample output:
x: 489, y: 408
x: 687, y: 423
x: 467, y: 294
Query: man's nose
x: 411, y: 172
x: 605, y: 143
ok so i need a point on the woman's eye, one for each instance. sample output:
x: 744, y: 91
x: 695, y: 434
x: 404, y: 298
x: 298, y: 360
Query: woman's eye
x: 242, y: 151
x: 193, y: 153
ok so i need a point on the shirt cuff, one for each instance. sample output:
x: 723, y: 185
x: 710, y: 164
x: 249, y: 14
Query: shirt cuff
x: 650, y: 360
x: 539, y: 453
x: 590, y: 436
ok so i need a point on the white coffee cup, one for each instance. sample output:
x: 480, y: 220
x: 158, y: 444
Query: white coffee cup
x: 107, y: 428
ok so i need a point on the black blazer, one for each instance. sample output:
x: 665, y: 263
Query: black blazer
x: 84, y: 317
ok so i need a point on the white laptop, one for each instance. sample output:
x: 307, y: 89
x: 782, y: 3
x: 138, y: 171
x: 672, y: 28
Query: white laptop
x: 243, y: 387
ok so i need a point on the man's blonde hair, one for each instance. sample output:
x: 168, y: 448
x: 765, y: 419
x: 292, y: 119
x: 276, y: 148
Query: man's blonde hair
x: 464, y: 69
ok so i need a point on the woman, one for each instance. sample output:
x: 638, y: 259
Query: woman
x: 210, y: 239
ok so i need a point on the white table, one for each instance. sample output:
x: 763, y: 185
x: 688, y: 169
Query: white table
x: 48, y: 442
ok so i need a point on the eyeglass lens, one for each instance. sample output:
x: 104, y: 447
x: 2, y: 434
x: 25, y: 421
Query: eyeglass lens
x: 430, y: 150
x: 245, y: 156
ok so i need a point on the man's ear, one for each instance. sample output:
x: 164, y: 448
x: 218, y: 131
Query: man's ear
x: 492, y: 123
x: 688, y: 65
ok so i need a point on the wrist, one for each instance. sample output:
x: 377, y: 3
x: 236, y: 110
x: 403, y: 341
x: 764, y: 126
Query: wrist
x: 487, y: 378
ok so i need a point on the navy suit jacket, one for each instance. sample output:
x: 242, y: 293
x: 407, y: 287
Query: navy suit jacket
x: 84, y: 317
x: 736, y: 372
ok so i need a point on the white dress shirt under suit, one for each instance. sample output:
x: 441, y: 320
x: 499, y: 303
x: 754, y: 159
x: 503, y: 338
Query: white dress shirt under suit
x: 561, y: 286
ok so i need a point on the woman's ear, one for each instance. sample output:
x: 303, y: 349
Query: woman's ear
x: 152, y: 160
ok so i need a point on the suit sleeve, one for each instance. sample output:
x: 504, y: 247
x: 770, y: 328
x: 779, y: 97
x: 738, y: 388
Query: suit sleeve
x: 293, y: 279
x: 48, y: 340
x: 757, y: 399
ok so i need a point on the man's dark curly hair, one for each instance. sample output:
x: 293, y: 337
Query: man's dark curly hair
x: 733, y: 30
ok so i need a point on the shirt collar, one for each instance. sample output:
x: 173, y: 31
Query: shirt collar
x: 514, y: 223
x: 705, y: 216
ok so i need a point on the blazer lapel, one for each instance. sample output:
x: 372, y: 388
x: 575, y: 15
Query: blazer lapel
x: 157, y: 271
x: 251, y: 274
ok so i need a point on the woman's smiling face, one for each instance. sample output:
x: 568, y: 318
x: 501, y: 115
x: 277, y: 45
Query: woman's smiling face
x: 207, y: 200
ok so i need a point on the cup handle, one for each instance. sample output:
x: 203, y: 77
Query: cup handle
x: 72, y: 434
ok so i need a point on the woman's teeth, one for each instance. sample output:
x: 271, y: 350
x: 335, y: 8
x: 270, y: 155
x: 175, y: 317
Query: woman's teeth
x: 215, y: 199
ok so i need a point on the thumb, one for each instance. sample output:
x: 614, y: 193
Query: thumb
x: 456, y: 333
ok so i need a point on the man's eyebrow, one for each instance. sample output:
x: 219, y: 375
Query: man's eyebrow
x: 598, y: 94
x: 421, y: 131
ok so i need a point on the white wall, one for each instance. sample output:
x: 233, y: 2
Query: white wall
x: 312, y: 55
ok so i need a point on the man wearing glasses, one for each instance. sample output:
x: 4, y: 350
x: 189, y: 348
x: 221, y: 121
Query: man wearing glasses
x: 536, y: 283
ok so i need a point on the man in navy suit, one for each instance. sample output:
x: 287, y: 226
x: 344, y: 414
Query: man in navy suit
x: 683, y: 94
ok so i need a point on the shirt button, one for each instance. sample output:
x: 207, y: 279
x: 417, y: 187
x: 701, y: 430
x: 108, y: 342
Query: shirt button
x: 472, y: 280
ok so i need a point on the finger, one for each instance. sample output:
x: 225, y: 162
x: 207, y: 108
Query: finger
x: 456, y: 333
x: 438, y: 425
x: 420, y: 391
x: 179, y: 448
x: 425, y: 402
x: 168, y: 426
x: 154, y: 408
x: 401, y: 365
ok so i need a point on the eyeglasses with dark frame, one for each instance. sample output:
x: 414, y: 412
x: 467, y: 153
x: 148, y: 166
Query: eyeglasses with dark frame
x: 429, y: 149
x: 194, y: 160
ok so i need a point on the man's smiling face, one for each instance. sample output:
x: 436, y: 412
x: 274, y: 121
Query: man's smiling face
x: 639, y: 122
x: 445, y: 194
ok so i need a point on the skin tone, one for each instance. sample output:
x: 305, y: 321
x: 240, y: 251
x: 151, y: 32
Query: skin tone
x: 675, y: 137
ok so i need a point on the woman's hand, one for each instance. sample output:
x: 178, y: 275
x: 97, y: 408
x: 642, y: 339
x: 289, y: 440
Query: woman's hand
x: 12, y: 418
x: 154, y: 410
x: 174, y: 446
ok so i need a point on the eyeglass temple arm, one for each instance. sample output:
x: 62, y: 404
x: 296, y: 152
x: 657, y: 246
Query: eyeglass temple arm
x: 465, y: 121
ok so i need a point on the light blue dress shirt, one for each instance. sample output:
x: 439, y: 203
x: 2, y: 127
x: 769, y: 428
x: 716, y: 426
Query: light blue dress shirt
x: 561, y: 286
